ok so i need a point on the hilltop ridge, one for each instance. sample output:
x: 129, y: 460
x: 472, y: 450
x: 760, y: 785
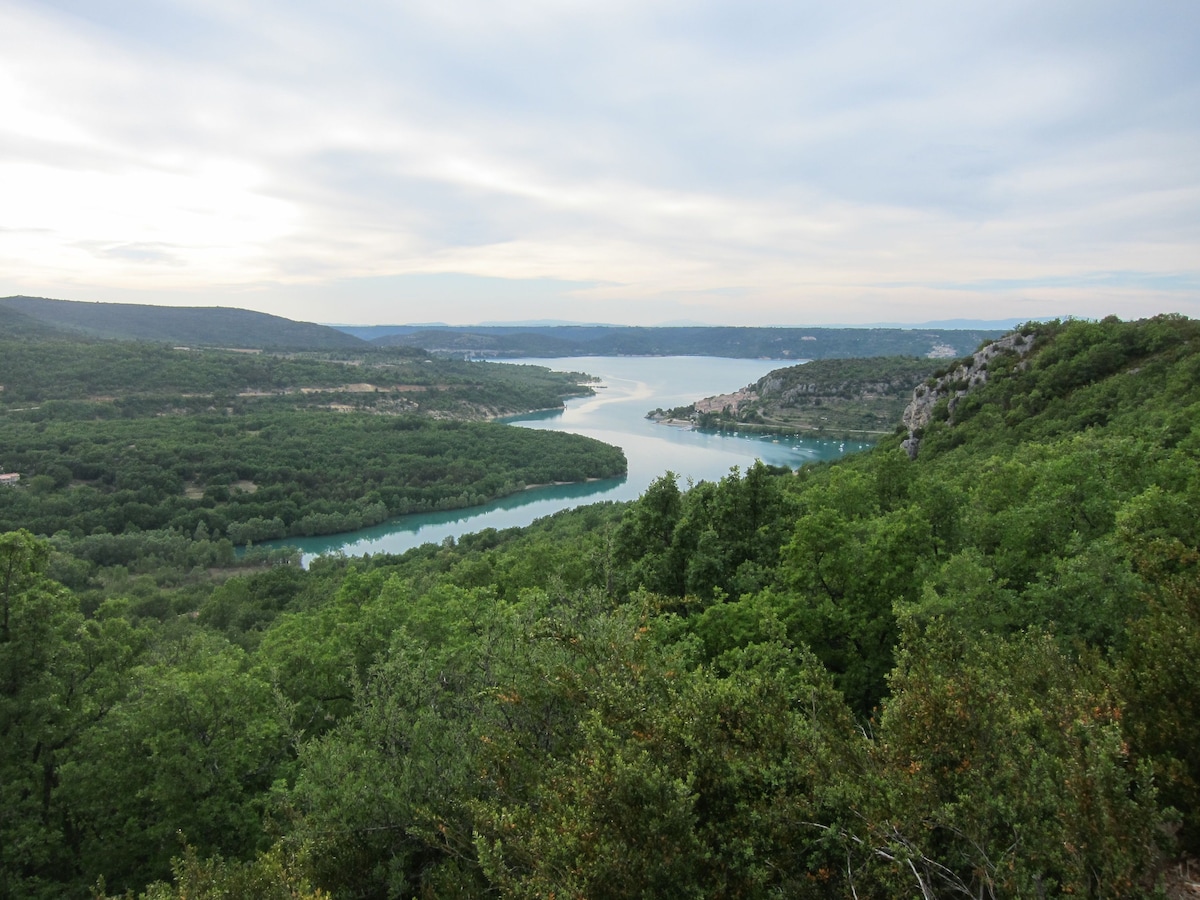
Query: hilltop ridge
x: 230, y: 327
x: 955, y: 384
x: 199, y: 326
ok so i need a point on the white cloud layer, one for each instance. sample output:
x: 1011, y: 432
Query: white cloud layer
x: 752, y: 163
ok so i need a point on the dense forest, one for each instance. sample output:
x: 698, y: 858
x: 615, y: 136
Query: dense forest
x: 120, y: 437
x: 970, y: 672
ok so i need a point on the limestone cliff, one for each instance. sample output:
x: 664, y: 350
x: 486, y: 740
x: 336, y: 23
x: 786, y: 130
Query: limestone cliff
x: 955, y: 384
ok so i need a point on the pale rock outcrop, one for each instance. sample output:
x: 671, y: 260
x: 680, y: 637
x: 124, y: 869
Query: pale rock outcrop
x: 954, y: 385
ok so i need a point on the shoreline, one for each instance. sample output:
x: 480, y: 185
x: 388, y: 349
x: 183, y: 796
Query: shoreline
x: 588, y: 480
x: 780, y: 430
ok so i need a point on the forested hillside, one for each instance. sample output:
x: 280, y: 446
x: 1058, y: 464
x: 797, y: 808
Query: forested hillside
x: 129, y: 437
x: 197, y: 326
x: 975, y: 672
x: 739, y: 343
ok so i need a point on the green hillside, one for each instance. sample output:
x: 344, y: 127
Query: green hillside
x: 123, y: 437
x: 972, y: 670
x: 190, y: 326
x: 18, y: 326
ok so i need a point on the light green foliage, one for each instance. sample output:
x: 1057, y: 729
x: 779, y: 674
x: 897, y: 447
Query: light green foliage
x: 272, y: 875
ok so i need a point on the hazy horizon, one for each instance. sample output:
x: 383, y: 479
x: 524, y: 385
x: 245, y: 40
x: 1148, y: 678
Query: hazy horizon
x: 779, y: 164
x: 964, y: 324
x: 943, y: 324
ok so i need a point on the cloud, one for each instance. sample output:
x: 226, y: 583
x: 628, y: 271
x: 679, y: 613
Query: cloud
x: 814, y: 162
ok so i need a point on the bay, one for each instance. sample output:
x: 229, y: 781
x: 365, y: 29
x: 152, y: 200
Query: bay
x: 629, y: 388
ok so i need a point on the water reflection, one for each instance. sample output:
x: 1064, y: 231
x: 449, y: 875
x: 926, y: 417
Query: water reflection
x: 406, y: 532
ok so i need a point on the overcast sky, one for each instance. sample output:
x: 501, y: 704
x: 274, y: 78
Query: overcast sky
x: 626, y: 161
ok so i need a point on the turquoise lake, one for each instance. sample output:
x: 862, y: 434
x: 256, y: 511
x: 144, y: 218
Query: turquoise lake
x: 629, y: 388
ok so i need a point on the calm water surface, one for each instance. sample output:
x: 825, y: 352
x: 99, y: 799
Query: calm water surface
x: 630, y: 387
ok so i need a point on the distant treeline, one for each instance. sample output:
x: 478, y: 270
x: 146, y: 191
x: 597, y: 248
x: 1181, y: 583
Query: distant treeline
x: 136, y: 375
x: 238, y: 328
x: 272, y: 474
x: 740, y: 343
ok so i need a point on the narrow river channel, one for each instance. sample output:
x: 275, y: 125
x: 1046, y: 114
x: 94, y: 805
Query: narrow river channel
x: 629, y: 388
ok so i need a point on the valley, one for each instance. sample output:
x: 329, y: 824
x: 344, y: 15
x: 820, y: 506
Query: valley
x: 888, y: 673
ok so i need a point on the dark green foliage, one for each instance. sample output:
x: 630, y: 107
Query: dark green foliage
x: 60, y: 675
x: 972, y: 674
x: 680, y: 780
x: 120, y: 437
x: 273, y: 475
x: 1004, y: 772
x: 1160, y: 669
x: 721, y: 538
x: 192, y: 748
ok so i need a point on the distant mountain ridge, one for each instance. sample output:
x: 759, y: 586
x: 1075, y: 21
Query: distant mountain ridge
x: 40, y: 318
x: 552, y: 341
x: 199, y: 326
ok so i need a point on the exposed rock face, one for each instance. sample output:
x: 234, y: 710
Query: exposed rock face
x: 955, y: 385
x: 776, y: 390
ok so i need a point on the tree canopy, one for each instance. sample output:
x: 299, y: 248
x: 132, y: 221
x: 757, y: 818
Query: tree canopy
x: 970, y: 673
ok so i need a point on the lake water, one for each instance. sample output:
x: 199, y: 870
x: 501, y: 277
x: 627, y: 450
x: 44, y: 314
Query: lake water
x: 630, y: 387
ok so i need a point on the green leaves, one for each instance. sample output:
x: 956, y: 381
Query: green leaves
x: 722, y: 537
x: 1005, y: 772
x: 60, y: 675
x: 192, y: 747
x: 1159, y: 675
x: 973, y: 673
x: 680, y: 779
x: 268, y: 475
